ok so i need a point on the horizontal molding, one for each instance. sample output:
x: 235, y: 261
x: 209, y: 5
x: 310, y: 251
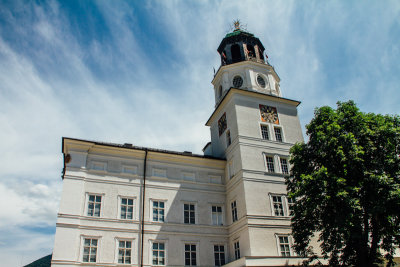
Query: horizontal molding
x: 156, y: 232
x: 221, y: 187
x: 147, y: 223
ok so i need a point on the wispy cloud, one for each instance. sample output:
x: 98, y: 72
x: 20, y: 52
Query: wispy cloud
x: 123, y: 72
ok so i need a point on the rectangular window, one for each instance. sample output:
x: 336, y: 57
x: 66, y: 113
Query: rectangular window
x: 234, y: 211
x: 237, y: 250
x: 188, y: 176
x: 216, y: 215
x: 159, y: 173
x: 278, y: 205
x: 158, y: 253
x: 264, y: 132
x: 219, y: 255
x: 189, y: 213
x: 158, y: 211
x: 284, y: 246
x: 228, y: 138
x: 270, y: 164
x: 278, y: 134
x: 290, y: 205
x: 89, y: 250
x: 127, y: 208
x: 230, y: 170
x: 190, y: 255
x: 94, y: 206
x: 124, y: 252
x: 284, y: 166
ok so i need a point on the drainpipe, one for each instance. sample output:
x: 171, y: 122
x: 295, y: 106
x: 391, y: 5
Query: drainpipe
x: 143, y: 203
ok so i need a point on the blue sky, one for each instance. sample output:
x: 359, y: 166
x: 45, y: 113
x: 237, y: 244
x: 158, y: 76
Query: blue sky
x: 140, y: 71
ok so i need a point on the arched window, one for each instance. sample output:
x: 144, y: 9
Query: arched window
x: 235, y: 51
x: 250, y: 51
x: 220, y: 91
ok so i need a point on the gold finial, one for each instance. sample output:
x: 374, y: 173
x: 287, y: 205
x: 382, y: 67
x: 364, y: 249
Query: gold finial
x: 236, y: 23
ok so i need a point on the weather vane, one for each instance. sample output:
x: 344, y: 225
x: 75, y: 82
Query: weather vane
x: 237, y: 25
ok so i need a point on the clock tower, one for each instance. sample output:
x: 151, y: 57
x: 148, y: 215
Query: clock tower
x: 253, y: 127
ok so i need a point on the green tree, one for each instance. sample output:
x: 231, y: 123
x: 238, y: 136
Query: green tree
x: 346, y: 183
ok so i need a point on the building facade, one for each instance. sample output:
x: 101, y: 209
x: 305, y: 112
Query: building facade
x: 136, y: 206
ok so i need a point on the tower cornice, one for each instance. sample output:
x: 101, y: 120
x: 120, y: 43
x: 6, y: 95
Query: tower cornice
x: 221, y: 69
x: 232, y: 91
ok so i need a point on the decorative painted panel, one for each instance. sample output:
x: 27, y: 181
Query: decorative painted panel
x: 269, y: 114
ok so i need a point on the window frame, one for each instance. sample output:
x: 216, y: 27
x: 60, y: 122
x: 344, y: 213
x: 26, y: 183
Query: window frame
x: 236, y: 250
x: 196, y: 243
x: 86, y: 209
x: 230, y: 169
x: 222, y: 214
x: 273, y: 205
x: 152, y: 207
x: 120, y: 208
x: 82, y: 247
x: 233, y: 78
x: 224, y: 253
x: 117, y: 248
x: 165, y: 242
x: 285, y: 205
x: 155, y: 169
x: 290, y: 244
x: 281, y: 165
x: 266, y: 163
x: 262, y: 124
x: 195, y: 212
x: 234, y: 211
x: 228, y: 138
x: 281, y: 133
x: 188, y: 176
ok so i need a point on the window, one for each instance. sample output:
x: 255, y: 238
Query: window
x: 216, y: 212
x: 290, y: 203
x: 230, y: 169
x: 98, y: 166
x: 261, y: 81
x: 278, y: 134
x: 284, y: 166
x: 189, y: 213
x: 94, y: 205
x: 265, y: 132
x: 127, y: 208
x: 124, y: 252
x: 188, y: 176
x: 270, y: 164
x: 89, y: 250
x: 237, y: 81
x: 214, y: 179
x: 190, y: 255
x: 129, y: 169
x: 228, y: 138
x: 158, y: 211
x: 237, y: 250
x: 160, y: 173
x: 284, y: 246
x: 220, y: 91
x: 219, y: 255
x: 234, y: 211
x: 278, y: 205
x: 158, y: 253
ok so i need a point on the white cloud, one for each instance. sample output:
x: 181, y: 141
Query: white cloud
x: 111, y: 90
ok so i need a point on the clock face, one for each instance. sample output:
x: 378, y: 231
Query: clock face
x: 222, y: 124
x: 269, y: 114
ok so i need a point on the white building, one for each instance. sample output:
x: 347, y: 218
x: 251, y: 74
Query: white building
x: 128, y: 205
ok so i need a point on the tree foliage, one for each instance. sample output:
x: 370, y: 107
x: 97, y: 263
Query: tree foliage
x: 346, y: 183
